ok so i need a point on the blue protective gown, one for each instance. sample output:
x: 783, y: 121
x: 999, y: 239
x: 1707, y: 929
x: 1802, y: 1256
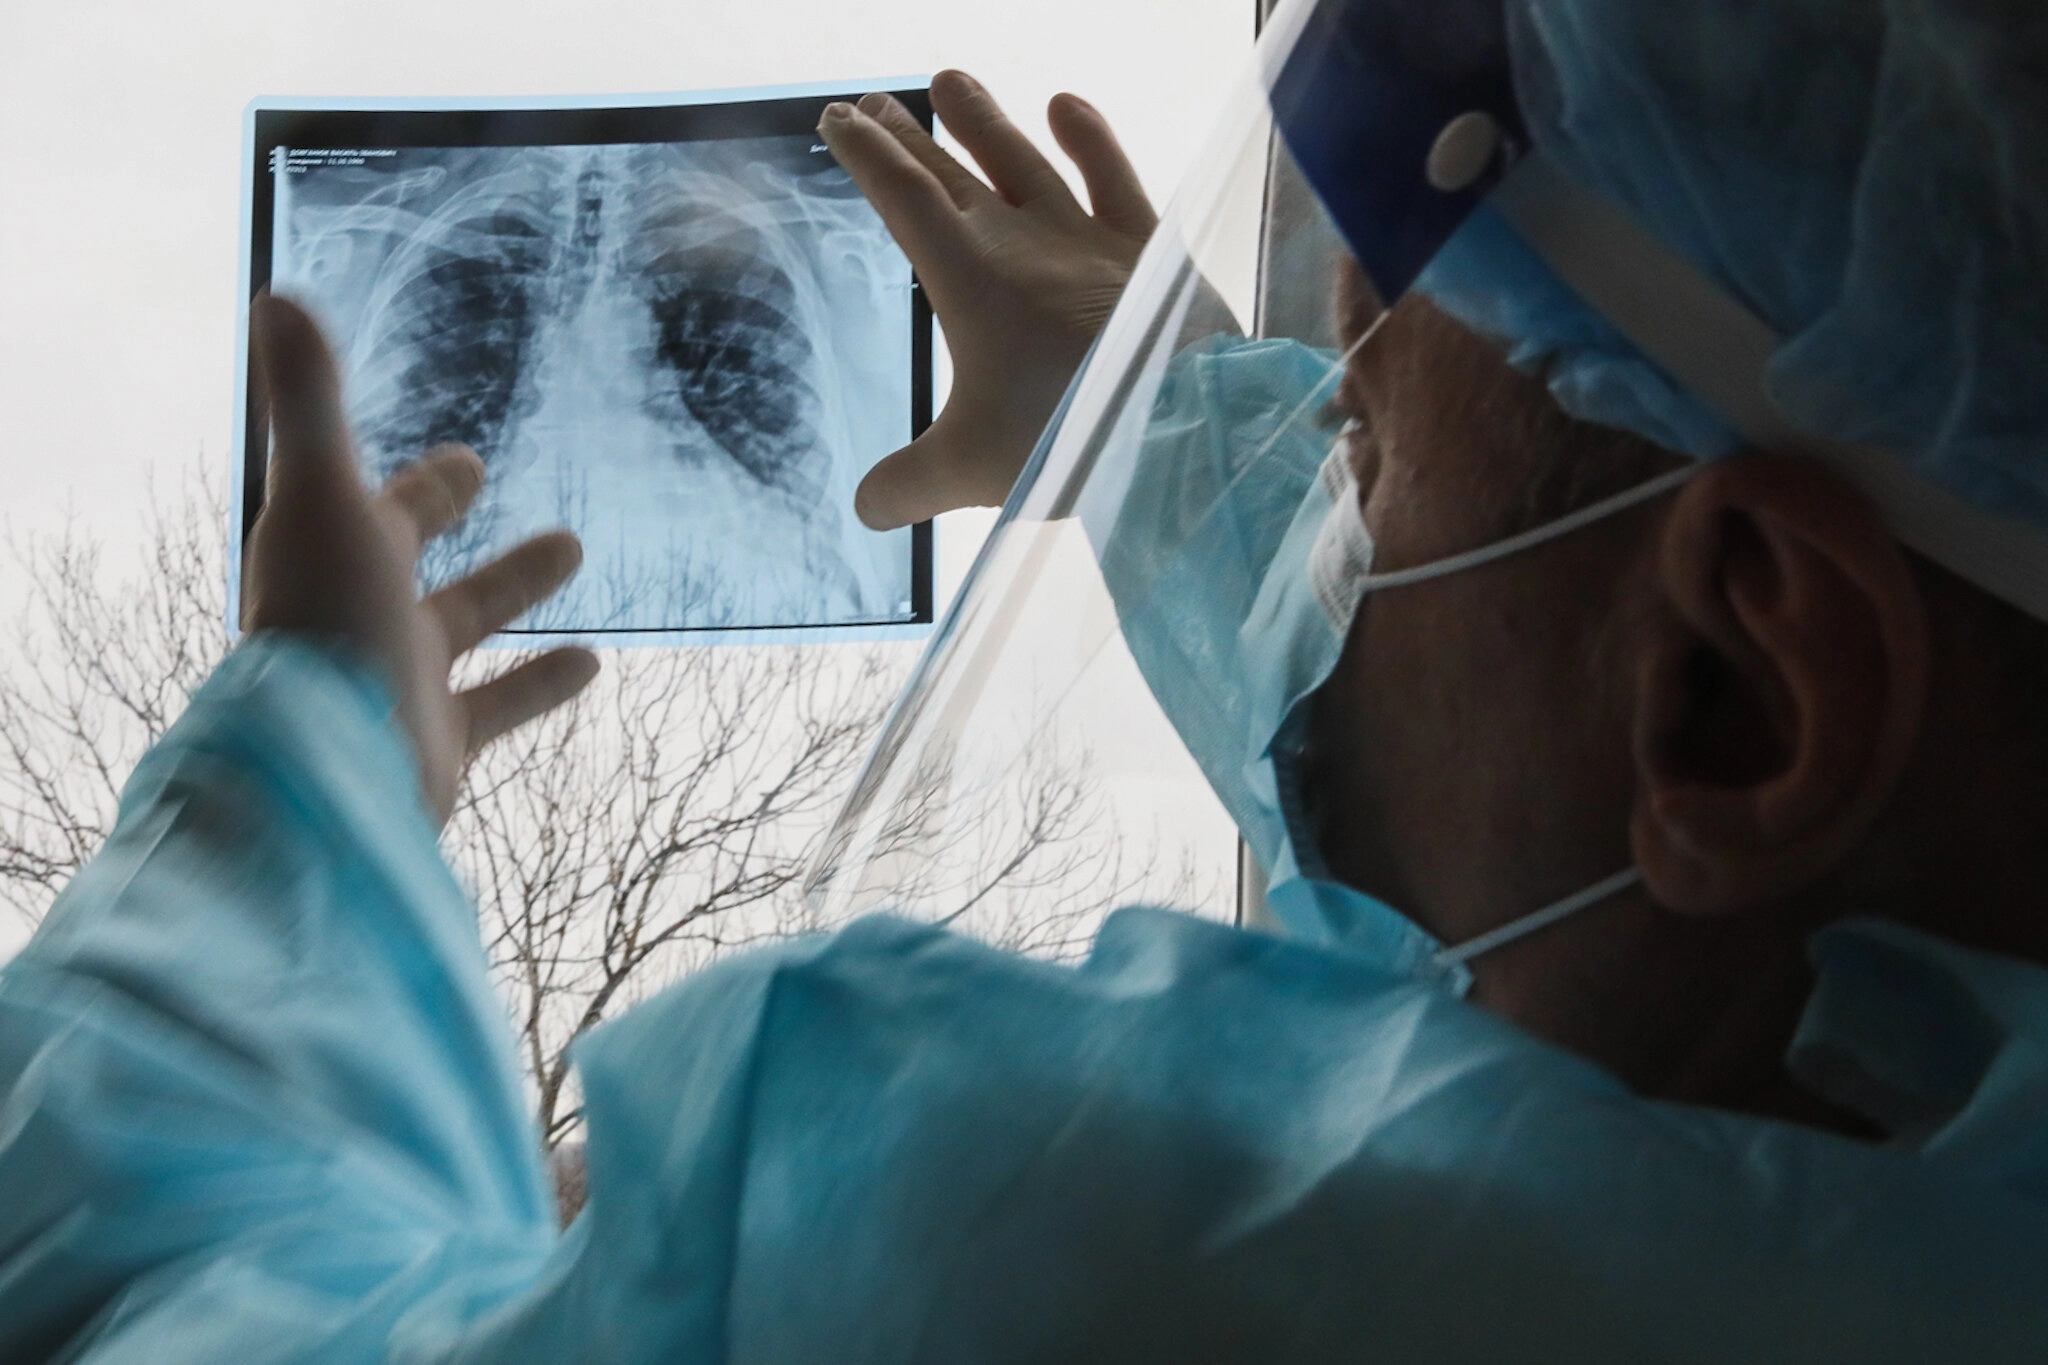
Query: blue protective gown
x: 260, y: 1104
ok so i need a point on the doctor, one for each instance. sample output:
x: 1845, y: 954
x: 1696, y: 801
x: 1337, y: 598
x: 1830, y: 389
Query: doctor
x: 1620, y: 653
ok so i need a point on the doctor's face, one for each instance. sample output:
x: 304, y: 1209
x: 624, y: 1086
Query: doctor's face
x: 1471, y: 753
x: 1726, y: 688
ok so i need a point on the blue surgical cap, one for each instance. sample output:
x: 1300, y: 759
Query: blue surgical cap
x: 1869, y: 177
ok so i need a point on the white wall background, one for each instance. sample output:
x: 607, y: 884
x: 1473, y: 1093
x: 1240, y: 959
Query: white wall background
x: 119, y: 159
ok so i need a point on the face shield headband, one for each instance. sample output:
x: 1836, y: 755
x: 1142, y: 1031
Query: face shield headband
x: 1402, y: 117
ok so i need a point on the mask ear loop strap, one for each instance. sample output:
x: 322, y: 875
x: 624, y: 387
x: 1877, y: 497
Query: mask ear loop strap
x: 1550, y: 914
x: 1563, y: 526
x: 1539, y: 919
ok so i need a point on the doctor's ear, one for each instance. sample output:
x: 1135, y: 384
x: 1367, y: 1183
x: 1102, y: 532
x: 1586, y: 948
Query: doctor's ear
x: 1780, y: 689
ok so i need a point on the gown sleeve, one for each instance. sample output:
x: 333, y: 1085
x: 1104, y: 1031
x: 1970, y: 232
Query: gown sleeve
x: 257, y: 1099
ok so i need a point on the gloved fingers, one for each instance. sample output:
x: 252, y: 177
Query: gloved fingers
x: 433, y: 492
x: 1114, y: 191
x: 931, y: 475
x: 1017, y: 169
x: 524, y: 693
x: 311, y: 462
x: 915, y: 207
x: 504, y: 589
x: 959, y: 182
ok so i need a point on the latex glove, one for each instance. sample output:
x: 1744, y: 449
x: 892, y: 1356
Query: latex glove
x: 329, y: 559
x: 1019, y: 275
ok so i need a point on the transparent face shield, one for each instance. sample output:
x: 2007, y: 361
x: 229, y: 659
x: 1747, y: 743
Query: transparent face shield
x: 1177, y: 567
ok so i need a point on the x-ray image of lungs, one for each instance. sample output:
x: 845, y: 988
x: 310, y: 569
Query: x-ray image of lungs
x: 687, y: 352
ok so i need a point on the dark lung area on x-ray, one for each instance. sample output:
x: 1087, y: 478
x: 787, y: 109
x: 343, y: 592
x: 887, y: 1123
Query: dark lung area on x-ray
x: 688, y: 352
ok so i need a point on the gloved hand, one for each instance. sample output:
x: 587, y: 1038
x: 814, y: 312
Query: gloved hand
x: 329, y: 560
x: 1020, y: 276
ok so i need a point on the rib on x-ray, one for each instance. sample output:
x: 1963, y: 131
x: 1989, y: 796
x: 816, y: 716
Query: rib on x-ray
x: 688, y: 352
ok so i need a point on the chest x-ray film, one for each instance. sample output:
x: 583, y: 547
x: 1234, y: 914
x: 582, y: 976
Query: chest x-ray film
x: 672, y: 325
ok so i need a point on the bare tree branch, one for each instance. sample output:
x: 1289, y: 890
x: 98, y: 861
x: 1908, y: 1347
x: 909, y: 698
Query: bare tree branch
x: 103, y: 667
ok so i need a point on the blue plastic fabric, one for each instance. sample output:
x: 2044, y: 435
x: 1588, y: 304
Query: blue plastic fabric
x: 257, y: 1104
x: 1869, y: 176
x: 1208, y: 563
x: 258, y: 1093
x: 1223, y: 488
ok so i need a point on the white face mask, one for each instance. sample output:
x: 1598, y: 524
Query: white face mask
x: 1340, y: 574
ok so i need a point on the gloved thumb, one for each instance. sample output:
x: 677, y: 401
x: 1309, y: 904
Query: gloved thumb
x: 954, y: 464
